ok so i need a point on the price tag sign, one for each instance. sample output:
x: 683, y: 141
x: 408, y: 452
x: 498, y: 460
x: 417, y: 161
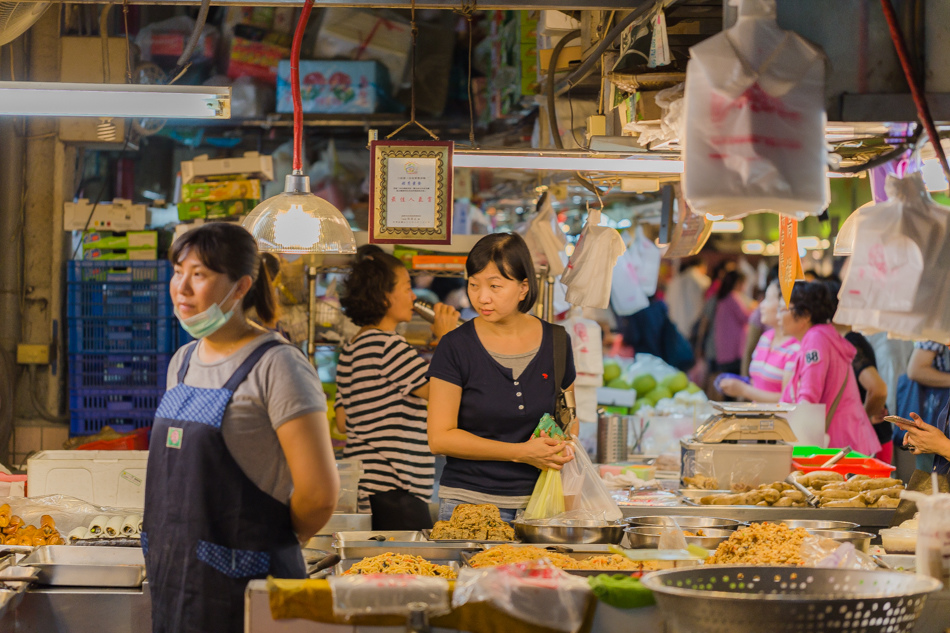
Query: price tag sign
x: 789, y: 263
x: 690, y: 234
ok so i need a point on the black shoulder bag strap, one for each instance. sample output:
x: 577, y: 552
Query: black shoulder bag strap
x: 564, y: 405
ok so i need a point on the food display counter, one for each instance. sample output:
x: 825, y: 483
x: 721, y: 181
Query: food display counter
x: 80, y: 610
x: 871, y: 518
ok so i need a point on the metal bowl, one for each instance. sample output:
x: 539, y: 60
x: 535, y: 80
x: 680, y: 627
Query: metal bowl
x: 530, y: 532
x: 860, y: 540
x: 686, y: 522
x: 809, y: 524
x: 649, y: 537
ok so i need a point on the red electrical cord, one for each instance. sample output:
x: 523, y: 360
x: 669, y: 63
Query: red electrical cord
x: 923, y: 109
x: 295, y: 84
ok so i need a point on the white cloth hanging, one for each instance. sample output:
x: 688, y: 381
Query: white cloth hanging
x: 590, y: 268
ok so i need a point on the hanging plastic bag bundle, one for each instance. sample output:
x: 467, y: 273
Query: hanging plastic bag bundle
x: 547, y: 499
x: 634, y: 277
x: 755, y: 120
x: 590, y: 268
x: 544, y: 237
x: 898, y: 277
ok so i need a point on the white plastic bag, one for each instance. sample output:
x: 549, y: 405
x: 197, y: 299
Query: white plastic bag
x: 933, y: 537
x: 536, y: 592
x: 545, y: 239
x: 898, y: 277
x: 589, y: 270
x: 587, y: 344
x: 634, y: 277
x: 755, y: 120
x: 585, y: 491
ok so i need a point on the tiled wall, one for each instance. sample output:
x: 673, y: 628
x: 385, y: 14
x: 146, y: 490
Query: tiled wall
x: 36, y: 437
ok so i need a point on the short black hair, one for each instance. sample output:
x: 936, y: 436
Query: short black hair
x: 363, y: 296
x: 227, y: 248
x: 729, y: 282
x: 813, y: 299
x: 509, y: 252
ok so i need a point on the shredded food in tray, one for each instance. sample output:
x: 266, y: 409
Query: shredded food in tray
x: 390, y: 563
x: 761, y: 544
x: 473, y: 522
x: 507, y: 554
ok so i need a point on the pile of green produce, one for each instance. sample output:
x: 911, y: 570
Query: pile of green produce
x: 650, y: 391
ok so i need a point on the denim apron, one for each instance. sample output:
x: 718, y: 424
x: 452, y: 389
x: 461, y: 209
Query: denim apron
x: 208, y: 529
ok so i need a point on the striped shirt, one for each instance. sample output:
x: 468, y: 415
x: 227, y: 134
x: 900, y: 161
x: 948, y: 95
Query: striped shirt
x: 768, y: 367
x: 385, y: 424
x: 941, y: 354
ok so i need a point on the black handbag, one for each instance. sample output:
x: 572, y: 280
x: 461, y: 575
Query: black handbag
x: 564, y: 403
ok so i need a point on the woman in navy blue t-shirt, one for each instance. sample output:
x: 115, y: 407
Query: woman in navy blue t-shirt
x: 491, y: 380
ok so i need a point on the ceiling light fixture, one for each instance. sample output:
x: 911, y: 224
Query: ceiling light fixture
x: 297, y: 221
x: 629, y: 164
x: 37, y: 98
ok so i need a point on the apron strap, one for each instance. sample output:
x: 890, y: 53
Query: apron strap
x: 248, y: 364
x: 186, y: 361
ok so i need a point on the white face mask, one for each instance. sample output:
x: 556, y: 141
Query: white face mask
x: 210, y: 321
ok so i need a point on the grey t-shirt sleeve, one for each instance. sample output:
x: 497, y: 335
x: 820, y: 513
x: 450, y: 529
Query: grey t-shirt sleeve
x: 291, y: 385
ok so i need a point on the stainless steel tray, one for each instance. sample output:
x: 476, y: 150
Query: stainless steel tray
x: 345, y: 564
x: 425, y: 549
x: 400, y: 536
x: 685, y: 522
x: 899, y: 562
x: 9, y: 599
x: 63, y: 565
x: 427, y: 535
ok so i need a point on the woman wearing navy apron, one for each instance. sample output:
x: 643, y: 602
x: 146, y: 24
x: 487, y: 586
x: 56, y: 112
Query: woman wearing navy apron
x: 240, y: 467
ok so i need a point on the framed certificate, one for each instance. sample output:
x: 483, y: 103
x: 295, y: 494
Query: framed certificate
x: 410, y: 197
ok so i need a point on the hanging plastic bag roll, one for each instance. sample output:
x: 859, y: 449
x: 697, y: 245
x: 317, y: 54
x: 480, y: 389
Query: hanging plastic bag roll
x: 755, y: 120
x: 132, y: 525
x: 589, y: 271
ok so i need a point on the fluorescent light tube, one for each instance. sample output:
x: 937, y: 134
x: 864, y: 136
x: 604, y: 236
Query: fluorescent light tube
x: 34, y: 98
x: 727, y: 226
x: 632, y: 165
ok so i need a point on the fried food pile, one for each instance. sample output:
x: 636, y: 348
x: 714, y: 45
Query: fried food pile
x: 475, y: 522
x: 833, y: 490
x: 761, y: 544
x: 390, y: 563
x: 15, y: 531
x: 507, y: 554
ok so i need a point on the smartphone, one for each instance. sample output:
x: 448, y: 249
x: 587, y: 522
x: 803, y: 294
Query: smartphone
x: 894, y: 419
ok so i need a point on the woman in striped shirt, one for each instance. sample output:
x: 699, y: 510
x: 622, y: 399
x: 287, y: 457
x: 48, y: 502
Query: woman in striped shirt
x: 773, y: 358
x: 382, y: 391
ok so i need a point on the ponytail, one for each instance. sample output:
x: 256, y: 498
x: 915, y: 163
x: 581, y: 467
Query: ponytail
x: 261, y: 296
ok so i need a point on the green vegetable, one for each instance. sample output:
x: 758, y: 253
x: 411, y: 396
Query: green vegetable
x: 623, y: 592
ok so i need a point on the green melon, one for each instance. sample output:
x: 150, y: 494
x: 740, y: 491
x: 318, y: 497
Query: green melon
x: 644, y: 383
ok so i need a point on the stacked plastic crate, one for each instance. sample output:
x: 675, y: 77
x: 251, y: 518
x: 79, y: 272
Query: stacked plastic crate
x: 122, y: 333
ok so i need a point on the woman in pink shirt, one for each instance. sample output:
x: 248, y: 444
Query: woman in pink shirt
x: 772, y: 359
x: 732, y: 315
x: 823, y: 372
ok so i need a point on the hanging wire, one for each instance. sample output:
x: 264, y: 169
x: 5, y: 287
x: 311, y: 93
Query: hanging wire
x: 128, y: 43
x: 923, y: 109
x: 295, y: 85
x: 412, y: 89
x: 468, y: 12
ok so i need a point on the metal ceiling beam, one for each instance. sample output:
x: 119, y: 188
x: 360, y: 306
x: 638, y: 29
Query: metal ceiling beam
x: 574, y: 5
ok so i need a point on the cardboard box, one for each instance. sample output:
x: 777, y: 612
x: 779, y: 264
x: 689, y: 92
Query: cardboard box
x: 118, y: 215
x: 252, y: 164
x: 256, y: 59
x: 103, y: 478
x: 646, y: 107
x: 334, y: 87
x: 439, y: 262
x: 217, y: 209
x: 133, y: 254
x: 115, y: 240
x: 221, y: 190
x: 569, y: 55
x: 362, y: 35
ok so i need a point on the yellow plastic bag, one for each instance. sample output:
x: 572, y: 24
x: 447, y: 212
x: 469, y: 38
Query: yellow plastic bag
x: 547, y: 500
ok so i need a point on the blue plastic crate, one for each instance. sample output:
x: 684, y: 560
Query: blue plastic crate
x: 135, y: 336
x: 183, y: 337
x: 118, y: 299
x: 91, y: 421
x: 119, y: 402
x: 155, y: 271
x: 116, y: 371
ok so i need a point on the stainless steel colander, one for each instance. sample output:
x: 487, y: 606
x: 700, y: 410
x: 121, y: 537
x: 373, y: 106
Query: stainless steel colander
x: 741, y: 599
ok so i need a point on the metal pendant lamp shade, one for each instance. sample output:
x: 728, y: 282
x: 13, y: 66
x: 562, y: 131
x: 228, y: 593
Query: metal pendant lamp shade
x: 297, y: 221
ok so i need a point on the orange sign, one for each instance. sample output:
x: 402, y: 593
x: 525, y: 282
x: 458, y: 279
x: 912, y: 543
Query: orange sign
x: 789, y: 263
